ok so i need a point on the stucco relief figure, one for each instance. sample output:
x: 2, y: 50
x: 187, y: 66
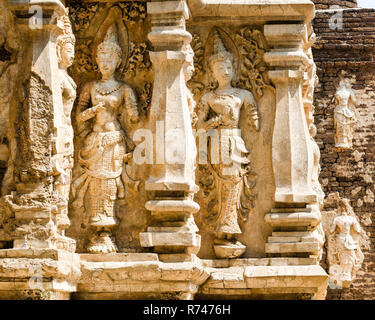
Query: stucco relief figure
x: 63, y: 160
x: 108, y: 104
x: 316, y: 186
x: 188, y: 73
x: 344, y: 114
x: 220, y: 109
x: 345, y: 256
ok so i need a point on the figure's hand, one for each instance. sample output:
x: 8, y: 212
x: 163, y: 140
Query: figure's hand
x: 128, y: 157
x: 257, y: 124
x: 214, y: 122
x: 99, y: 107
x: 134, y: 118
x: 218, y: 120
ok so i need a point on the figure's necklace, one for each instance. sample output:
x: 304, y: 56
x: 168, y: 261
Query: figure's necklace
x: 106, y: 90
x: 234, y: 91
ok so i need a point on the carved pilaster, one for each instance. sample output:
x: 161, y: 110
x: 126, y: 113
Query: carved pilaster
x: 171, y: 183
x: 34, y: 206
x: 33, y: 210
x: 294, y: 218
x: 290, y: 152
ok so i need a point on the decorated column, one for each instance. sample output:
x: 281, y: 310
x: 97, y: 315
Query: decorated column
x: 293, y: 219
x: 42, y: 263
x: 171, y: 183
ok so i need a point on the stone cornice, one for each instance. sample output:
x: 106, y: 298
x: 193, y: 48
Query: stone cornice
x: 259, y: 11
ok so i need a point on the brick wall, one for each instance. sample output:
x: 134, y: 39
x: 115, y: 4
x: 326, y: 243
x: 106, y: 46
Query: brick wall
x: 325, y: 4
x: 351, y: 173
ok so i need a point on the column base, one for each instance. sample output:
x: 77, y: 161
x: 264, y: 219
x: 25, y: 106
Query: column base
x: 139, y: 276
x: 264, y: 278
x: 168, y: 240
x: 40, y: 274
x: 295, y: 232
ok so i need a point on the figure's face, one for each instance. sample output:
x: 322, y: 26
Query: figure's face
x: 223, y: 70
x: 344, y: 208
x: 67, y: 54
x: 312, y: 130
x: 108, y: 61
x: 189, y: 65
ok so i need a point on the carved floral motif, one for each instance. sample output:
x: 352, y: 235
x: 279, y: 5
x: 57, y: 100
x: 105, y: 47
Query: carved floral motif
x: 138, y: 59
x: 145, y: 98
x: 84, y: 59
x: 81, y: 15
x: 251, y: 46
x: 134, y: 11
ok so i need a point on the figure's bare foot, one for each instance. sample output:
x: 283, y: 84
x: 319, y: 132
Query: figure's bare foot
x: 101, y: 243
x: 228, y: 249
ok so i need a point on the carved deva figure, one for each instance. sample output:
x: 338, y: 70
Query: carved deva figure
x: 104, y: 151
x: 344, y: 115
x: 316, y: 186
x: 220, y: 109
x: 344, y: 252
x: 63, y: 159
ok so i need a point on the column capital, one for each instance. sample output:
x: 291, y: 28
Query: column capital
x: 285, y: 35
x: 35, y: 16
x: 168, y: 7
x: 286, y: 42
x: 168, y: 25
x: 167, y: 55
x: 277, y: 76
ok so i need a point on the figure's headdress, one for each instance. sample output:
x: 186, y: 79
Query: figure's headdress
x: 67, y: 36
x: 110, y: 42
x: 219, y: 52
x: 344, y: 205
x: 346, y: 80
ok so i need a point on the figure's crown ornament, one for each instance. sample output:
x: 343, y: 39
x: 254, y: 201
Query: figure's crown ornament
x: 346, y: 80
x: 219, y: 51
x: 67, y: 36
x: 110, y: 42
x: 219, y: 46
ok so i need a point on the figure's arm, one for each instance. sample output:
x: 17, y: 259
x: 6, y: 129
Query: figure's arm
x: 131, y: 104
x: 356, y: 226
x: 251, y: 105
x: 83, y: 103
x: 333, y: 227
x: 192, y: 105
x: 203, y: 110
x: 89, y: 113
x: 353, y: 98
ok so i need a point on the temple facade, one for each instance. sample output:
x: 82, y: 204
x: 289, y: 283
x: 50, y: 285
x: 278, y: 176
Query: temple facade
x: 186, y: 149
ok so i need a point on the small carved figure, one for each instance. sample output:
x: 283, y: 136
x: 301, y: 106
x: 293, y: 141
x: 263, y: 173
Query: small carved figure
x: 344, y: 115
x: 344, y: 252
x: 188, y: 72
x: 316, y: 186
x: 105, y: 150
x: 310, y: 82
x: 220, y: 109
x: 63, y: 160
